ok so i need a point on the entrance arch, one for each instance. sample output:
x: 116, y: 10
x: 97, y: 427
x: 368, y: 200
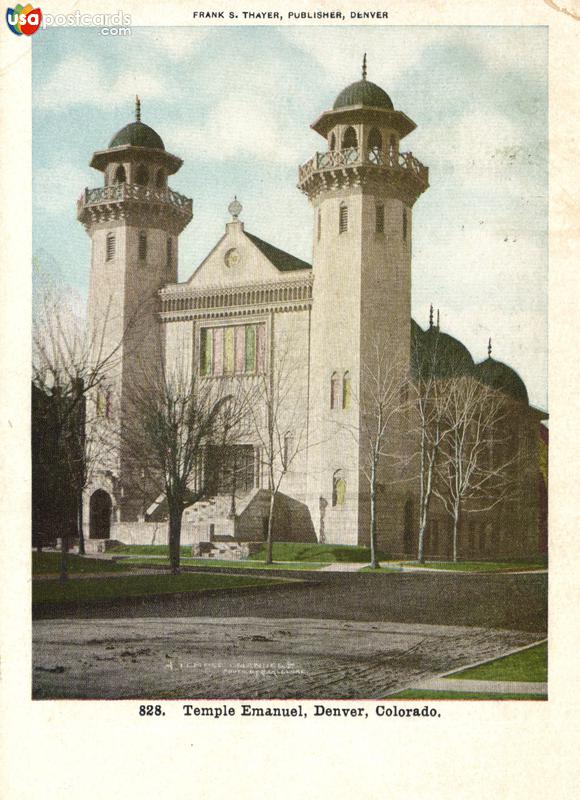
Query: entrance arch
x: 100, y: 508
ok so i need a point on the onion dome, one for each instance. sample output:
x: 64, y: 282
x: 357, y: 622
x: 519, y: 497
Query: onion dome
x: 137, y: 134
x: 363, y: 93
x: 437, y: 354
x: 503, y: 378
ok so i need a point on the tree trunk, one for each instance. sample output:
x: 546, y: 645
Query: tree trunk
x: 175, y: 515
x: 80, y: 529
x: 374, y: 562
x: 64, y: 558
x: 456, y: 513
x: 269, y: 543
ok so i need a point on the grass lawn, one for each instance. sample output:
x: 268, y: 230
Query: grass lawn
x: 412, y: 694
x: 140, y: 585
x: 216, y: 562
x: 281, y: 551
x: 49, y: 564
x: 476, y: 566
x: 529, y: 665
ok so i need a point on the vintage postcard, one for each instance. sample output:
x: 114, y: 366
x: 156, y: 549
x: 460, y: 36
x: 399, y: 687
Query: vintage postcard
x: 281, y: 353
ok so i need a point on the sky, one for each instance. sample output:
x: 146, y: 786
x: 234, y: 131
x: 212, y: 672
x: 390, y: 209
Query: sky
x: 236, y: 103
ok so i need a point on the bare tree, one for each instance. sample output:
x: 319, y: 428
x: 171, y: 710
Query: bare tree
x: 381, y: 403
x: 429, y: 406
x: 70, y: 361
x: 278, y: 423
x: 471, y: 467
x: 173, y: 418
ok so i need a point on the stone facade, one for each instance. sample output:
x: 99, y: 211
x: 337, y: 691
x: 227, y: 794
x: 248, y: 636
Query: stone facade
x: 328, y: 319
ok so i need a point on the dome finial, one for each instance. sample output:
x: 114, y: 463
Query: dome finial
x: 431, y: 315
x: 364, y: 68
x: 235, y: 208
x: 489, y: 348
x: 137, y: 108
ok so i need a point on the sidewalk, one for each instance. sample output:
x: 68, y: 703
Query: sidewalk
x: 481, y: 687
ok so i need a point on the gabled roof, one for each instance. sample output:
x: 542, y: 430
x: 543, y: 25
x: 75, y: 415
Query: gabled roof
x: 284, y: 262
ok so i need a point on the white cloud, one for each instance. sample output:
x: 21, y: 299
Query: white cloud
x: 175, y: 43
x: 237, y: 127
x: 56, y: 187
x: 81, y: 80
x: 339, y: 52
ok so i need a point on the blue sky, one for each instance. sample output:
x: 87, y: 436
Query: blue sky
x: 236, y: 104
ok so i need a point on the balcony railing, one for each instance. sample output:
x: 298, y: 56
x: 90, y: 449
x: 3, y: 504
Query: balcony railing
x: 354, y: 156
x: 120, y: 192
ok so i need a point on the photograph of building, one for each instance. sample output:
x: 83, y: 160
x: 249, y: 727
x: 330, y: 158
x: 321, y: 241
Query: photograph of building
x: 290, y: 425
x: 248, y: 301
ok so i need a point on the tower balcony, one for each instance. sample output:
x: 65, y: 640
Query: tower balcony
x: 355, y: 166
x: 134, y: 204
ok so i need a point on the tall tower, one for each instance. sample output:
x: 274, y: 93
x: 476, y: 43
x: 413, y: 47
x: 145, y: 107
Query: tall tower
x: 362, y: 190
x: 134, y: 221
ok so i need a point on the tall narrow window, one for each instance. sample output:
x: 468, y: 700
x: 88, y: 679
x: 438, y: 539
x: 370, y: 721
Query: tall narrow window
x: 206, y: 351
x: 343, y: 218
x: 169, y: 252
x: 142, y: 175
x: 109, y: 404
x: 288, y: 449
x: 110, y: 247
x: 335, y: 390
x: 380, y: 218
x: 338, y: 489
x: 142, y: 246
x: 349, y: 138
x: 250, y: 362
x: 405, y: 224
x: 160, y: 179
x: 332, y: 141
x: 375, y: 145
x: 346, y: 390
x: 120, y: 175
x: 229, y: 351
x: 319, y: 225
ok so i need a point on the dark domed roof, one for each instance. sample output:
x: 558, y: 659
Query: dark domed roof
x: 500, y: 376
x: 438, y: 354
x: 363, y: 93
x: 137, y: 134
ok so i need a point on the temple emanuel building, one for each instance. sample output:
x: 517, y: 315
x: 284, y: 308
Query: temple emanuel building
x: 249, y: 301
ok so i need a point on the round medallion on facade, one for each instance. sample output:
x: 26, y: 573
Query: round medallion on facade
x: 232, y: 257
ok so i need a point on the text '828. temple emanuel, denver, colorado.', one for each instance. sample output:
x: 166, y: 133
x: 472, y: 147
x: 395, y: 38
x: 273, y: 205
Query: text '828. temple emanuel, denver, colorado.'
x: 249, y: 306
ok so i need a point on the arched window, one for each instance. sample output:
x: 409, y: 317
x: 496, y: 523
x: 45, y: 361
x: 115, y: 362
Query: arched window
x: 343, y: 218
x: 338, y: 489
x: 319, y: 225
x: 335, y: 390
x: 405, y: 224
x: 109, y: 404
x: 120, y: 174
x: 332, y: 141
x: 100, y: 402
x: 142, y: 246
x: 375, y: 144
x: 142, y: 175
x: 288, y: 450
x: 392, y: 151
x: 375, y: 139
x: 346, y: 392
x: 160, y: 179
x: 349, y: 138
x: 110, y: 247
x: 380, y: 218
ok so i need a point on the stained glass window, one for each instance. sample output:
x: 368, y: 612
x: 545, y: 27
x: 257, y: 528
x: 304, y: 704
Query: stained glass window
x: 250, y: 365
x: 229, y: 351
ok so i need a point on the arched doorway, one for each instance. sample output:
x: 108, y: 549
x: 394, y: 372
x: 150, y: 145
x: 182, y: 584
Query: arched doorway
x: 100, y: 515
x: 408, y: 530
